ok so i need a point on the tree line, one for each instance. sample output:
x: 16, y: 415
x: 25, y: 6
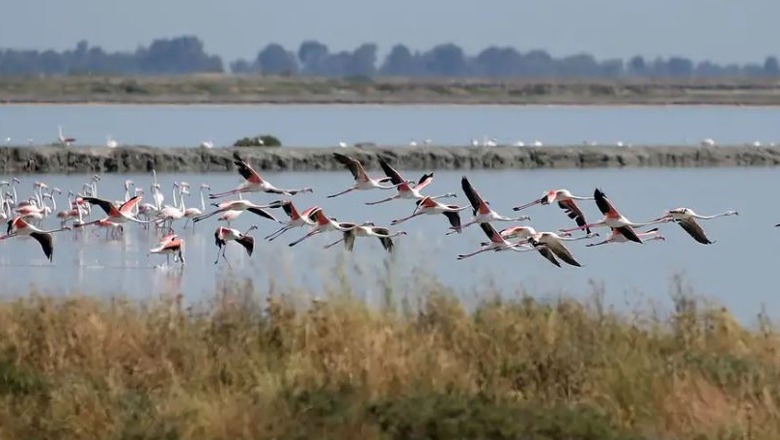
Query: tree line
x: 186, y: 54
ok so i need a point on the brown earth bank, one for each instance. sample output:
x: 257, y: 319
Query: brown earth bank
x: 131, y: 159
x: 237, y: 89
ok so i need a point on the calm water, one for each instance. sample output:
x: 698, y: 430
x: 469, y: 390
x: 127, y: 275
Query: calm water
x: 738, y: 270
x: 316, y: 125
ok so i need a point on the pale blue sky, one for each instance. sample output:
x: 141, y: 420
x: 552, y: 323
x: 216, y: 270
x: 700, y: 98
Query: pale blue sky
x: 719, y: 30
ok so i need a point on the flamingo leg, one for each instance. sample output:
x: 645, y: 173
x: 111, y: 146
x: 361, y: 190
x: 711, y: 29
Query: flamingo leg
x: 218, y: 251
x: 598, y: 244
x: 341, y: 193
x: 334, y: 243
x: 401, y: 220
x: 383, y: 200
x: 278, y: 232
x: 484, y: 249
x: 314, y: 232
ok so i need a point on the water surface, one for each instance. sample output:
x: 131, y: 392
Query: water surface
x: 327, y: 125
x: 737, y: 270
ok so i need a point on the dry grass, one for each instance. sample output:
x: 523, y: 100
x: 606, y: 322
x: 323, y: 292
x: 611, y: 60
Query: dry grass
x: 240, y: 367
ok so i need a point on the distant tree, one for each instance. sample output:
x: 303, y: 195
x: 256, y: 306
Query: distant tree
x: 680, y: 67
x: 275, y: 60
x: 539, y: 64
x: 499, y: 62
x: 399, y: 62
x: 637, y: 66
x: 771, y: 67
x: 363, y: 61
x: 241, y: 66
x: 612, y: 68
x: 445, y: 60
x: 311, y: 54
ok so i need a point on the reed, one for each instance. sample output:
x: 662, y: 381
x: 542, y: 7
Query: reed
x: 246, y: 366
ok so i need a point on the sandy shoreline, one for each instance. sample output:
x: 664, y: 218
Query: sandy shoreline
x: 138, y: 159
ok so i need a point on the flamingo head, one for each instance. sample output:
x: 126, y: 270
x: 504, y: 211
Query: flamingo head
x: 205, y: 186
x: 55, y: 190
x: 129, y: 183
x: 16, y: 180
x: 95, y: 178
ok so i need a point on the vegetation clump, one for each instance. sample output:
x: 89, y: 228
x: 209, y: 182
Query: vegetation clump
x: 244, y: 367
x: 265, y: 140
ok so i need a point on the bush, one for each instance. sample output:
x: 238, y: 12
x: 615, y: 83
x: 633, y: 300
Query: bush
x: 265, y: 140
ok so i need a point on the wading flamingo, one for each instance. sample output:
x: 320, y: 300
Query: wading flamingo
x: 686, y: 218
x: 362, y: 180
x: 613, y: 219
x: 368, y: 229
x: 169, y: 245
x: 222, y: 235
x: 565, y: 201
x: 191, y: 213
x: 254, y: 182
x: 65, y: 141
x: 405, y: 189
x: 117, y: 214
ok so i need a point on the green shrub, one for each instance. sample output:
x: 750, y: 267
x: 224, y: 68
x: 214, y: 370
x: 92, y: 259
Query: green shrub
x: 265, y: 140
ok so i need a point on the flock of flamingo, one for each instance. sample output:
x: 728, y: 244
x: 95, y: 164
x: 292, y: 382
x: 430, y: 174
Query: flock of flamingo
x: 24, y: 217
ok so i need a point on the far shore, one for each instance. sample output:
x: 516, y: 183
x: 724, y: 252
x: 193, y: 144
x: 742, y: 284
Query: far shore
x: 254, y: 90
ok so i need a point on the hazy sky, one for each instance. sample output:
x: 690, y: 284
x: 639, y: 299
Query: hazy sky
x: 719, y: 30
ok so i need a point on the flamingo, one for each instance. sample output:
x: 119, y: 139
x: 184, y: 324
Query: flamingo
x: 18, y: 227
x: 323, y: 224
x: 368, y: 229
x: 172, y: 213
x: 527, y: 234
x: 169, y: 245
x: 254, y: 182
x: 111, y: 142
x: 117, y: 214
x: 222, y: 235
x: 613, y: 219
x: 65, y: 141
x: 617, y: 237
x: 405, y: 189
x: 240, y: 206
x: 191, y: 213
x: 297, y: 219
x: 686, y: 218
x: 497, y: 243
x: 128, y: 184
x: 565, y: 201
x: 481, y: 210
x: 207, y: 144
x: 362, y: 180
x: 427, y: 205
x: 550, y: 245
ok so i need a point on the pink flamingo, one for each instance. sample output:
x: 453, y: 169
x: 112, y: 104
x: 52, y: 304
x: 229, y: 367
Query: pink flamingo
x: 297, y: 219
x: 254, y: 182
x: 405, y: 189
x: 222, y: 235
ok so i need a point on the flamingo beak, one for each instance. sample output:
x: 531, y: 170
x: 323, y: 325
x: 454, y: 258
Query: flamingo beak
x: 527, y: 205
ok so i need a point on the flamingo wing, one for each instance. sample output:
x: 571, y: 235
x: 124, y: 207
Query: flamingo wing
x: 454, y: 219
x: 245, y: 170
x: 491, y: 232
x: 694, y: 230
x: 574, y: 212
x: 46, y: 243
x: 474, y: 198
x: 562, y: 252
x: 390, y: 172
x: 353, y: 165
x: 548, y: 254
x: 262, y: 213
x: 349, y: 239
x: 628, y: 232
x: 604, y: 204
x: 130, y: 203
x: 105, y: 205
x: 248, y: 242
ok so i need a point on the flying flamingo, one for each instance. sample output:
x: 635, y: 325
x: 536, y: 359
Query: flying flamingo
x: 117, y: 214
x: 169, y: 245
x: 617, y: 237
x: 565, y: 201
x: 427, y: 205
x: 297, y: 219
x: 686, y: 218
x: 362, y: 180
x: 18, y: 227
x: 323, y: 224
x: 368, y: 229
x: 481, y: 210
x: 405, y: 189
x: 65, y: 141
x: 551, y: 245
x: 240, y: 206
x: 497, y: 243
x: 613, y: 219
x: 222, y: 235
x: 527, y: 234
x: 254, y: 182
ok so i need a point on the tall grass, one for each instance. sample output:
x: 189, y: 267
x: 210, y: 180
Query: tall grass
x: 242, y: 367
